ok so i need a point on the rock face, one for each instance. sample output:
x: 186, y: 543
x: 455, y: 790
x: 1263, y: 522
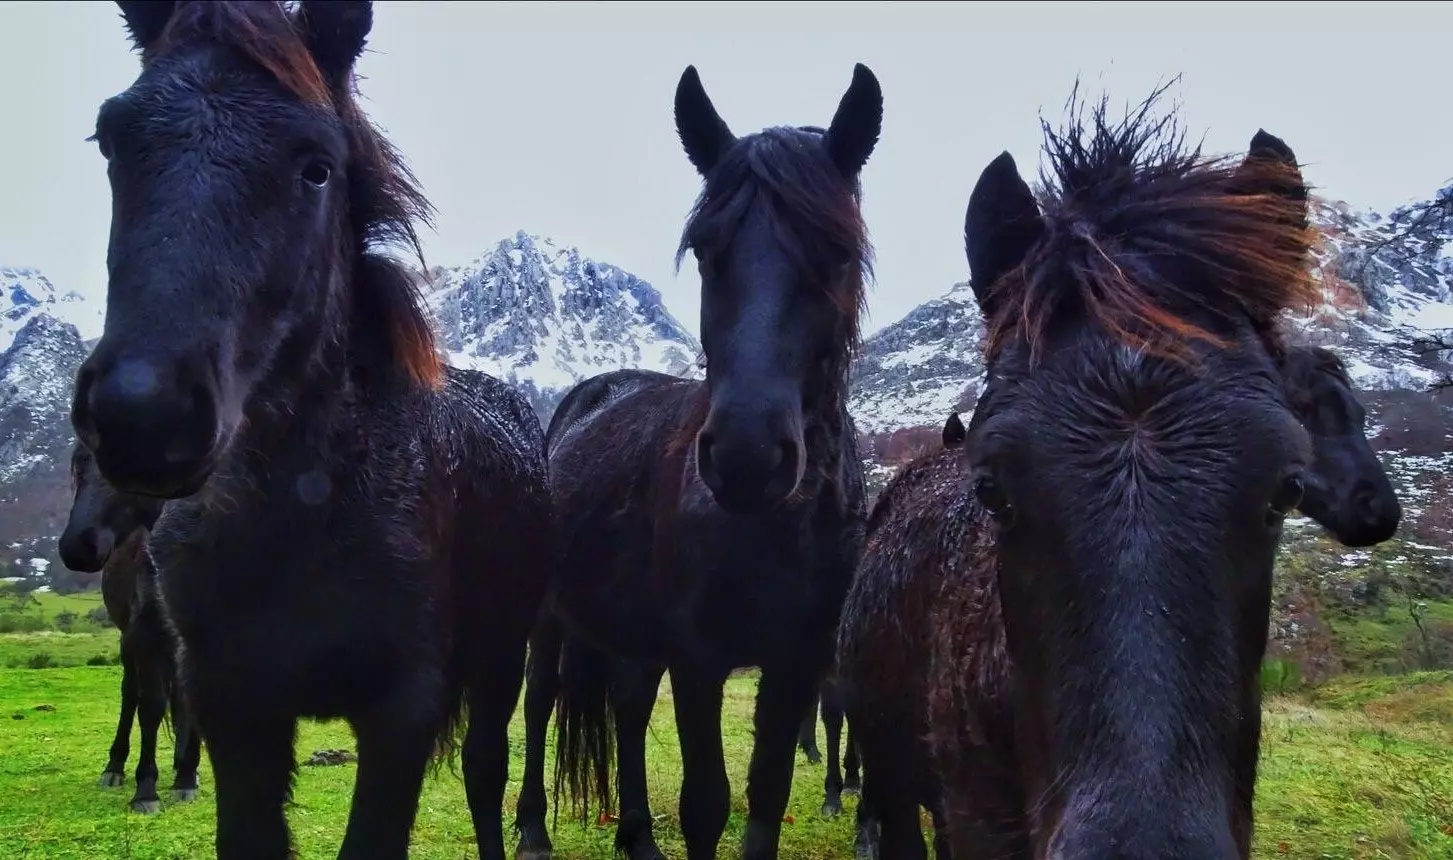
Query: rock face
x: 543, y: 316
x: 36, y: 375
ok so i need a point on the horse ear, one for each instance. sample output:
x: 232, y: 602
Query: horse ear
x: 953, y: 431
x: 336, y: 31
x: 146, y: 19
x: 1271, y: 167
x: 858, y: 122
x: 1002, y: 223
x: 704, y: 134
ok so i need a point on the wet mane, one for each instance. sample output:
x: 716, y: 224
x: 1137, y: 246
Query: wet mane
x: 384, y: 198
x: 814, y: 214
x: 1133, y: 217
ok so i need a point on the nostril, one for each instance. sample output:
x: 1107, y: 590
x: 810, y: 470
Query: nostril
x: 198, y: 415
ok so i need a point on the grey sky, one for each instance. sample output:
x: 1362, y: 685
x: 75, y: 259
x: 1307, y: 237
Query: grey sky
x: 556, y: 118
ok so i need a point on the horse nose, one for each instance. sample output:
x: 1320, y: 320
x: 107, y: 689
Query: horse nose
x: 748, y: 471
x: 86, y: 550
x: 152, y: 425
x: 1377, y: 511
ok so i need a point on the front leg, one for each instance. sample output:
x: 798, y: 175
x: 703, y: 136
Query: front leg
x: 706, y: 794
x: 394, y: 745
x: 784, y: 696
x: 252, y: 768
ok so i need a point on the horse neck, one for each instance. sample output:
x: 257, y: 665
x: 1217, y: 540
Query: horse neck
x: 299, y: 401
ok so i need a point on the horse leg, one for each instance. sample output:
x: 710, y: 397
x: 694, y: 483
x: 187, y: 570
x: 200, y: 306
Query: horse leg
x: 115, y: 773
x: 634, y: 687
x: 832, y: 721
x: 783, y: 696
x: 887, y: 821
x: 493, y: 694
x: 395, y: 742
x: 252, y: 771
x: 705, y: 790
x: 852, y: 783
x: 807, y: 737
x: 941, y: 848
x: 188, y: 750
x: 151, y: 708
x: 542, y: 684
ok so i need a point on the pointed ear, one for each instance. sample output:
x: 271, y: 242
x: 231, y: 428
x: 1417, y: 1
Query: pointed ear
x: 953, y: 431
x: 336, y: 31
x: 1002, y: 223
x: 704, y: 135
x: 1270, y: 167
x: 858, y: 122
x: 146, y: 19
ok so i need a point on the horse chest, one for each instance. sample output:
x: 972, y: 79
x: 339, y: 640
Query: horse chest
x: 288, y: 618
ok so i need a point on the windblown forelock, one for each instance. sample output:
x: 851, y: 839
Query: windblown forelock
x: 1143, y: 235
x: 264, y: 32
x: 815, y: 213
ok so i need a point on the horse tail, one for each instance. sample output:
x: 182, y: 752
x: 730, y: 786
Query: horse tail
x: 584, y: 727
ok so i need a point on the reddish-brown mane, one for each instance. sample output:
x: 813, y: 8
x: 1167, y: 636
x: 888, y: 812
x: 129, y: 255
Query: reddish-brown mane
x: 384, y: 196
x: 1141, y: 234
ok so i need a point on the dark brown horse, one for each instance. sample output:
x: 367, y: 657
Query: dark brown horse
x: 355, y: 530
x: 707, y: 526
x: 107, y: 531
x: 1073, y: 604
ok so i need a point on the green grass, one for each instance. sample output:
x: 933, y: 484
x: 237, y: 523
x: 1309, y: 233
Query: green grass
x: 1361, y: 768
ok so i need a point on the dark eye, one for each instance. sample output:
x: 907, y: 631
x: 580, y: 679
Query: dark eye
x: 317, y: 173
x: 1287, y: 497
x: 991, y: 495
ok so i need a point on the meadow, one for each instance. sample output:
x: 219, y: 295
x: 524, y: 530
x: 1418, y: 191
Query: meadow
x: 1360, y: 767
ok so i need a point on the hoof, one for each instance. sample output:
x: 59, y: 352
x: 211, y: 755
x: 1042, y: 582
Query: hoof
x: 832, y: 810
x: 813, y: 756
x: 184, y: 794
x: 533, y: 854
x: 852, y: 791
x: 146, y: 807
x: 112, y: 780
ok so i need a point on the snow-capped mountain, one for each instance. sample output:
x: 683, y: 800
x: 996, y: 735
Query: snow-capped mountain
x: 1381, y: 291
x: 25, y: 294
x: 543, y: 316
x: 36, y: 376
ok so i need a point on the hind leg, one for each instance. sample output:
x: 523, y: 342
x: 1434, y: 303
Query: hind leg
x: 188, y: 754
x: 492, y: 699
x: 852, y: 783
x: 783, y: 696
x: 705, y: 790
x: 634, y: 687
x: 542, y: 685
x: 114, y: 775
x: 395, y: 741
x: 807, y: 737
x: 150, y: 708
x: 832, y: 721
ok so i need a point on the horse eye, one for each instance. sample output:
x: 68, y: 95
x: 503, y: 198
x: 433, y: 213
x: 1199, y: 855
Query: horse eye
x: 992, y: 497
x: 317, y: 173
x: 1287, y: 497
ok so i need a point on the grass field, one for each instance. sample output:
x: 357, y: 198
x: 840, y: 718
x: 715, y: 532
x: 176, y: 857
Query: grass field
x: 1362, y: 768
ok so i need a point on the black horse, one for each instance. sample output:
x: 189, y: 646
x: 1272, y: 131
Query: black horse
x: 1347, y: 490
x: 1072, y: 606
x: 355, y: 530
x: 707, y: 526
x: 107, y: 531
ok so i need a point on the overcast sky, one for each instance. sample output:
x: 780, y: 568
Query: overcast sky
x: 556, y: 118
